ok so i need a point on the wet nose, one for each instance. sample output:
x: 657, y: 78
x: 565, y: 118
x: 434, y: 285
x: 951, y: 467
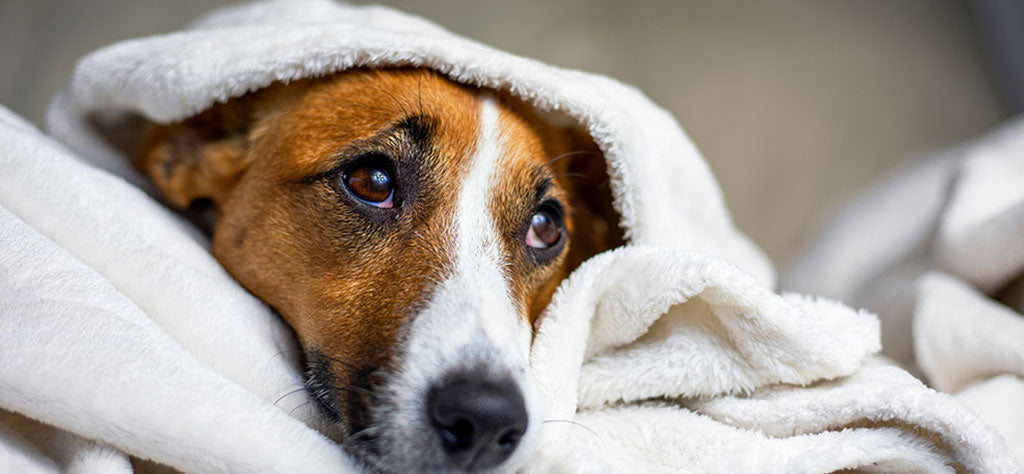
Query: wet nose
x: 480, y: 421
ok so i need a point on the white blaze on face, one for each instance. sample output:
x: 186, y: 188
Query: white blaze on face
x: 477, y: 293
x: 471, y: 320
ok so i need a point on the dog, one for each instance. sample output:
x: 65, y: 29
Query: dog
x: 410, y: 230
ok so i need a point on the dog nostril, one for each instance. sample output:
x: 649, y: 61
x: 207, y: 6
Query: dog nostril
x: 479, y: 421
x: 509, y: 440
x: 458, y: 436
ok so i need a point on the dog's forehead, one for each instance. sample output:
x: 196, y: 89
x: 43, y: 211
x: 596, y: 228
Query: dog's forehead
x: 358, y: 106
x: 362, y: 105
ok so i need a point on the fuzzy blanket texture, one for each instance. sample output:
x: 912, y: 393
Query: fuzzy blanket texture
x: 938, y: 250
x: 125, y: 345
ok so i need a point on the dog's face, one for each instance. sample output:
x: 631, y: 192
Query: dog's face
x: 411, y: 231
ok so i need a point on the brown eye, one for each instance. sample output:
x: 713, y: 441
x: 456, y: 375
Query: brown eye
x: 372, y: 185
x: 545, y: 230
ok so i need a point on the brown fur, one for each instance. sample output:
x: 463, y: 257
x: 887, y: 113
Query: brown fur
x: 347, y: 278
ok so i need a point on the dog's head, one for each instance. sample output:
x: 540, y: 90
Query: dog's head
x: 410, y: 230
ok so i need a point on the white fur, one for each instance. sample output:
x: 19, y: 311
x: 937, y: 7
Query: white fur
x: 469, y: 321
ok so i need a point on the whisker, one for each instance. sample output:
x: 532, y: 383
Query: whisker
x: 572, y: 175
x: 288, y: 351
x: 581, y: 425
x: 572, y: 153
x: 405, y: 113
x: 302, y: 406
x: 291, y: 392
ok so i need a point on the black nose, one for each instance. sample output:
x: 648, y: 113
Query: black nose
x: 479, y: 421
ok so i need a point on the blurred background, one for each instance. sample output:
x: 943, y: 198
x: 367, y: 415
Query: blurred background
x: 796, y: 104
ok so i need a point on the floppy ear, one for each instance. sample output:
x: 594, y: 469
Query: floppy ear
x: 200, y: 158
x: 585, y: 176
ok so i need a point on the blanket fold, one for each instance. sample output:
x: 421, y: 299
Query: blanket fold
x: 947, y: 283
x: 123, y: 339
x: 862, y: 422
x: 69, y: 330
x: 672, y: 323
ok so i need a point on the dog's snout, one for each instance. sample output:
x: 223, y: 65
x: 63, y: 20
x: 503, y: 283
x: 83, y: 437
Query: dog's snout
x: 479, y: 421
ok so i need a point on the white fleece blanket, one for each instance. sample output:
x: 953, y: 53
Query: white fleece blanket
x: 938, y: 251
x: 123, y: 339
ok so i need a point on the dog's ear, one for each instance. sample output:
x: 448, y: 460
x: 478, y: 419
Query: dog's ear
x: 585, y: 176
x: 199, y: 158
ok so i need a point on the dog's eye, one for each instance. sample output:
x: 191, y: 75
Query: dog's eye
x: 371, y: 184
x: 545, y: 230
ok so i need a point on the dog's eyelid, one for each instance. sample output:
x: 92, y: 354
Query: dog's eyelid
x: 401, y: 141
x: 338, y: 162
x: 542, y: 192
x: 552, y: 204
x: 419, y: 128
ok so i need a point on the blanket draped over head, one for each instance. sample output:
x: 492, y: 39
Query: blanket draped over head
x: 124, y: 344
